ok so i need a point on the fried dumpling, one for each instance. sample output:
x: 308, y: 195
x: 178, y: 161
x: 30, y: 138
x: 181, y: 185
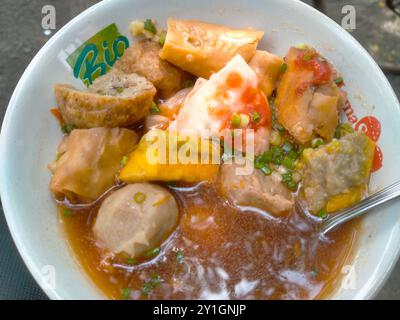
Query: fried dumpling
x: 89, y: 161
x: 308, y: 100
x: 204, y: 48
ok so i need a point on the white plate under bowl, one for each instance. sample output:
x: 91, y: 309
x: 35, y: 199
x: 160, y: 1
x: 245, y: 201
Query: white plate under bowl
x: 30, y: 134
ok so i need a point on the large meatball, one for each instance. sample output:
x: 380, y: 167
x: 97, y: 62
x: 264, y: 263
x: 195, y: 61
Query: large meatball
x: 136, y: 218
x: 255, y: 190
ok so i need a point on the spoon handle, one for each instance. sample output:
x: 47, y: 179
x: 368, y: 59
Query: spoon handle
x: 360, y: 208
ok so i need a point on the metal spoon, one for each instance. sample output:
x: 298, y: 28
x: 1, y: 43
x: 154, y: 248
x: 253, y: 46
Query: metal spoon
x: 360, y: 208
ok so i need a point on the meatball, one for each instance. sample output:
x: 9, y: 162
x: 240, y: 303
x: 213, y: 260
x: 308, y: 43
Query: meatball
x: 255, y: 190
x: 136, y: 218
x: 114, y: 100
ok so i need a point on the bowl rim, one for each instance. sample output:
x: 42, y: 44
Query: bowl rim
x: 367, y: 293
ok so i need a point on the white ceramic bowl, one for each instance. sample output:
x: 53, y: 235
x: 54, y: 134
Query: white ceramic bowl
x: 30, y: 134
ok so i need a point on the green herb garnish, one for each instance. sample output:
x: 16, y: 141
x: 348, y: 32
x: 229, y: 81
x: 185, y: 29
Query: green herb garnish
x: 124, y: 160
x: 308, y: 55
x: 162, y: 37
x: 287, y: 146
x: 119, y: 89
x: 291, y: 185
x: 139, y: 197
x: 283, y: 67
x: 235, y: 120
x: 152, y: 253
x: 322, y: 213
x: 125, y: 293
x: 149, y: 26
x: 153, y: 283
x: 314, y: 273
x: 131, y: 261
x: 67, y: 213
x: 180, y: 256
x: 317, y: 142
x: 255, y: 116
x: 266, y: 170
x: 289, y: 162
x: 188, y: 83
x: 339, y: 80
x: 154, y: 108
x: 67, y: 128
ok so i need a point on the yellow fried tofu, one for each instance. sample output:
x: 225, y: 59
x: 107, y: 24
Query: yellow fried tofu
x: 336, y: 175
x: 204, y: 48
x: 308, y: 100
x: 268, y: 68
x: 165, y: 156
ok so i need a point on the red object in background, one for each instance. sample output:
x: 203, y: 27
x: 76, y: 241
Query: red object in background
x: 370, y: 126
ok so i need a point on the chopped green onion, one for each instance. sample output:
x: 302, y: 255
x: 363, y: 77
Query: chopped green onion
x: 244, y: 120
x: 162, y: 37
x: 267, y: 156
x: 152, y: 253
x: 119, y: 89
x: 339, y: 80
x: 276, y: 151
x: 125, y: 293
x: 261, y: 160
x: 271, y: 102
x: 131, y: 261
x: 301, y: 46
x: 322, y: 213
x: 150, y: 285
x: 292, y: 154
x: 308, y: 55
x: 286, y: 177
x: 180, y: 256
x: 67, y: 128
x: 343, y: 129
x: 291, y: 185
x: 314, y: 273
x: 278, y: 127
x: 296, y: 177
x: 139, y: 197
x: 255, y: 116
x: 67, y: 213
x: 154, y: 108
x: 283, y: 68
x: 259, y: 163
x: 124, y: 160
x: 266, y: 170
x: 188, y: 83
x: 235, y: 120
x: 149, y: 26
x: 299, y: 151
x: 277, y: 160
x: 287, y: 146
x: 289, y: 162
x: 317, y: 142
x: 275, y: 138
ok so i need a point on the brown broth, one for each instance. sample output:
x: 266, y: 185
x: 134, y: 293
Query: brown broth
x: 228, y: 253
